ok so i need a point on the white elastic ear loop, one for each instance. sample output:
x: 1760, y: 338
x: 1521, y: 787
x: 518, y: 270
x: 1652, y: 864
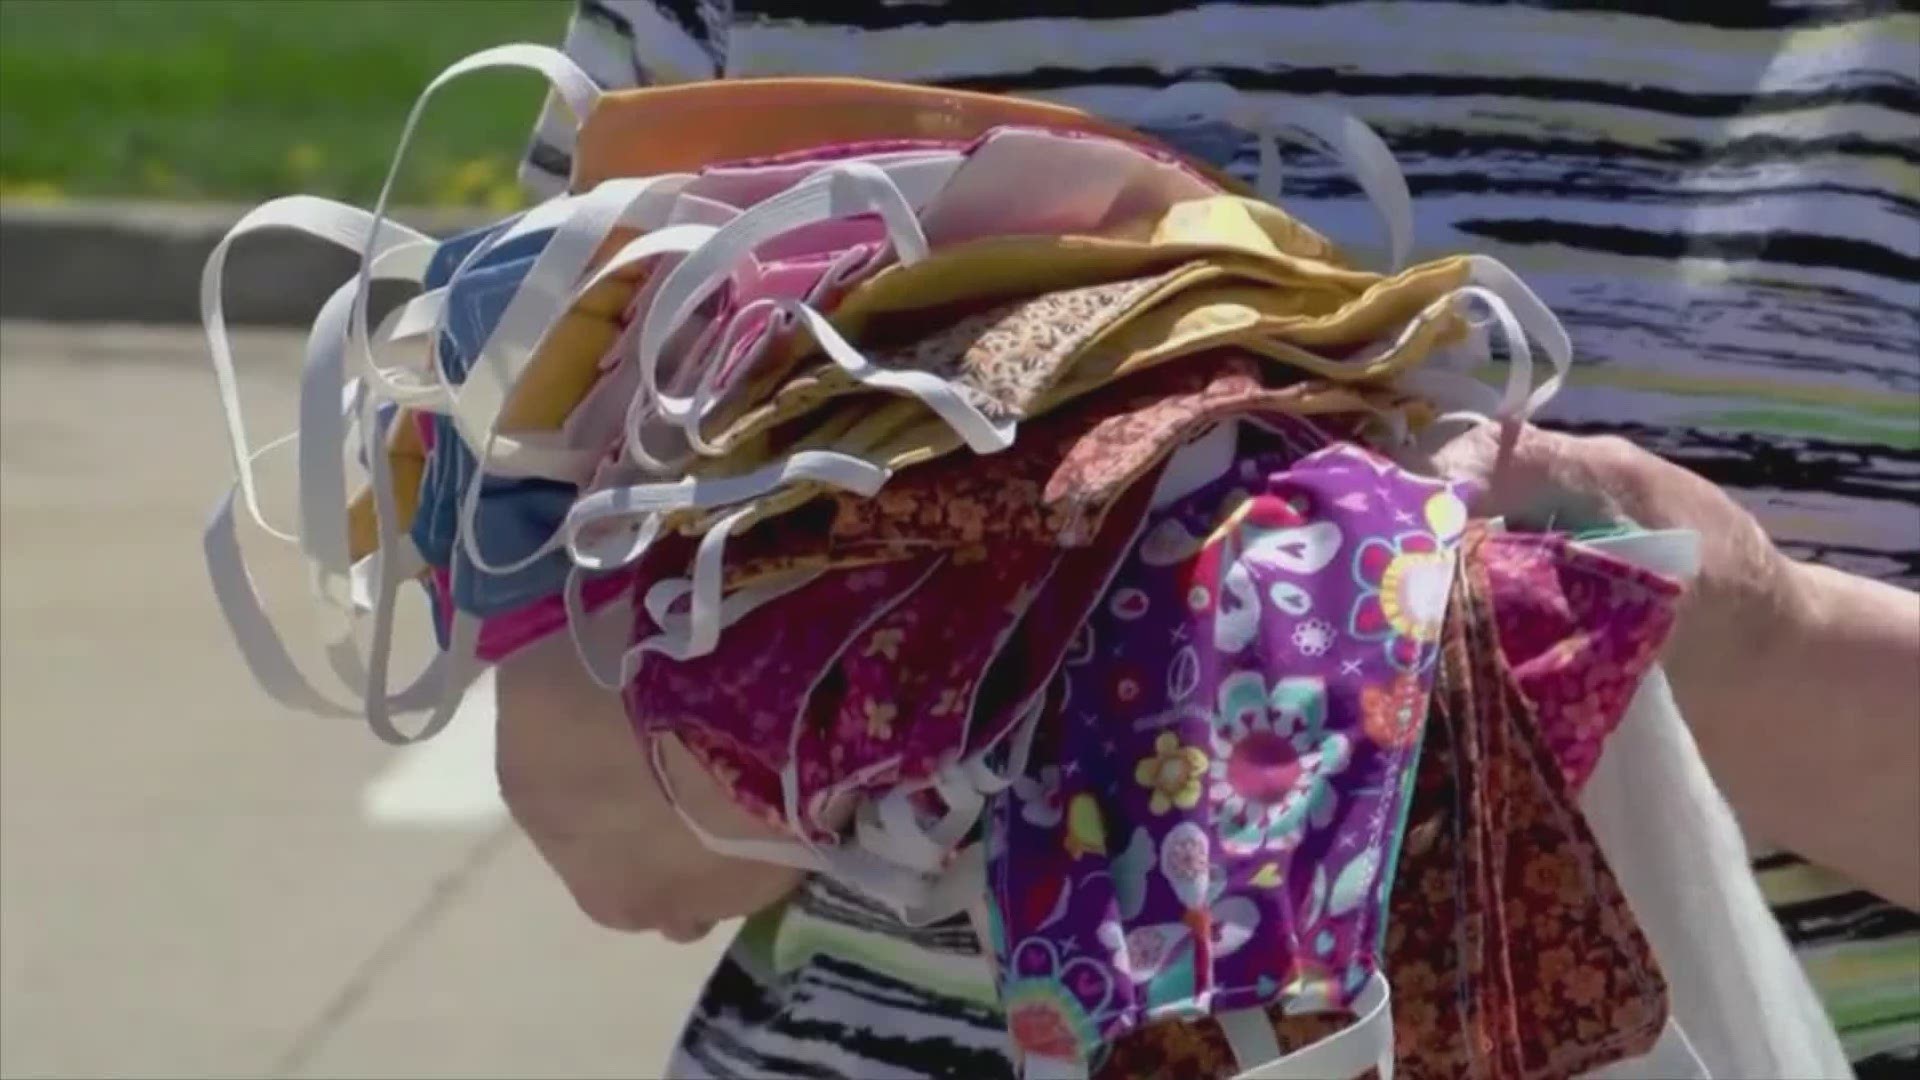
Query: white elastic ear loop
x: 260, y: 645
x: 344, y: 593
x: 1511, y: 404
x: 844, y: 268
x: 703, y: 623
x: 327, y: 399
x: 780, y: 853
x: 424, y: 314
x: 911, y: 896
x: 705, y: 387
x: 608, y: 673
x: 696, y: 637
x: 1350, y: 1052
x: 396, y: 560
x: 336, y: 223
x: 736, y: 605
x: 552, y: 286
x: 845, y: 189
x: 571, y: 84
x: 890, y: 828
x: 1521, y: 317
x: 842, y: 471
x: 673, y: 239
x: 1358, y: 147
x: 1538, y: 322
x: 982, y: 435
x: 1367, y: 157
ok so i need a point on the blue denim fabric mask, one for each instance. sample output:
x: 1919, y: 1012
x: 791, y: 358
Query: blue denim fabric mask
x: 515, y: 515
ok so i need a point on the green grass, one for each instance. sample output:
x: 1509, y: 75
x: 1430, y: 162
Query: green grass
x: 246, y: 99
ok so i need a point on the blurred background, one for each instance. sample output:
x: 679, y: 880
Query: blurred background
x: 193, y: 881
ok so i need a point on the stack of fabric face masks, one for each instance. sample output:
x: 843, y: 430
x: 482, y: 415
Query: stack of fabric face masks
x: 1005, y: 509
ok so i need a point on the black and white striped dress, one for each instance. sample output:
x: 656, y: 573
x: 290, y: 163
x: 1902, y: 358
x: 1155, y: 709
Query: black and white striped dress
x: 1723, y: 206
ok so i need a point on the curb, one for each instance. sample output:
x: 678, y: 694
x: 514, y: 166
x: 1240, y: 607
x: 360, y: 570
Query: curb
x: 141, y: 262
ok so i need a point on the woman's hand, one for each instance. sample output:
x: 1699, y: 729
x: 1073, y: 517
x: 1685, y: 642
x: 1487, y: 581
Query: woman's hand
x: 578, y: 781
x: 1798, y: 681
x: 1747, y: 597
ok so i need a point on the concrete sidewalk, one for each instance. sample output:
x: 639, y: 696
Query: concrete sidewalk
x: 194, y: 881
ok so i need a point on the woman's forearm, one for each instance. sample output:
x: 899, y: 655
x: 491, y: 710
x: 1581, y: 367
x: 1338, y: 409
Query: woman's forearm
x: 1816, y: 737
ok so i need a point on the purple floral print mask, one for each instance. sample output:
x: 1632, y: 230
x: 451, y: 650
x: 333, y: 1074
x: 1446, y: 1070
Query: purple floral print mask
x: 1222, y: 794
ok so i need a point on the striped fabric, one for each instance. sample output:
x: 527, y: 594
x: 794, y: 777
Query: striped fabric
x: 1864, y: 955
x: 1723, y: 206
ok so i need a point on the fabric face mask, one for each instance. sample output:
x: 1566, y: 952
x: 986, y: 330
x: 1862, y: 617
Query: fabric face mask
x: 568, y: 363
x: 1090, y: 283
x: 1225, y: 823
x: 744, y: 704
x: 1579, y: 629
x: 503, y: 633
x: 1114, y: 452
x: 918, y: 443
x: 670, y: 129
x: 1054, y: 486
x: 1557, y: 979
x: 1511, y: 949
x: 836, y: 466
x: 901, y: 700
x: 900, y: 720
x: 517, y: 594
x: 1102, y: 183
x: 740, y: 119
x: 914, y: 442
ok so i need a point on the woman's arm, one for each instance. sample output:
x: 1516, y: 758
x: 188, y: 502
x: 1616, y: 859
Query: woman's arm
x: 1801, y: 683
x: 578, y: 781
x: 1817, y: 740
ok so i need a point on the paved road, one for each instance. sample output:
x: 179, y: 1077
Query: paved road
x: 194, y: 881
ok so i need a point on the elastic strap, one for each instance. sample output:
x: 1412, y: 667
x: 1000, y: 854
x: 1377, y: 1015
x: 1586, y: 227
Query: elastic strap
x: 1523, y: 320
x: 737, y: 605
x: 1350, y: 1052
x: 702, y: 628
x: 573, y: 87
x: 1359, y: 149
x: 327, y: 402
x: 982, y: 435
x: 890, y: 827
x: 552, y: 285
x: 916, y: 179
x: 1672, y: 1058
x: 778, y: 852
x: 640, y: 501
x: 845, y: 189
x: 608, y: 673
x: 336, y: 223
x: 397, y: 561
